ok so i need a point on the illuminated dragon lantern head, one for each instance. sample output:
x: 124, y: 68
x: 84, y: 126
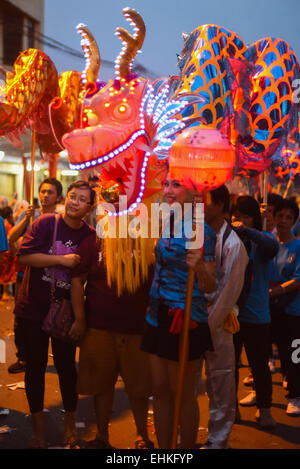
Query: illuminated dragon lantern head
x: 127, y: 125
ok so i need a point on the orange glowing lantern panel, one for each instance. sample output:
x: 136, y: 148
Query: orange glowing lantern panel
x: 202, y: 158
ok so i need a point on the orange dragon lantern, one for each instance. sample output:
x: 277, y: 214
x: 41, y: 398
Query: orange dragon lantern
x: 131, y: 125
x: 127, y: 122
x: 34, y: 96
x: 243, y: 92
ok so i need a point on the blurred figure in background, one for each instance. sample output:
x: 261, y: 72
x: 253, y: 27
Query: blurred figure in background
x: 285, y: 299
x: 8, y: 273
x: 254, y: 317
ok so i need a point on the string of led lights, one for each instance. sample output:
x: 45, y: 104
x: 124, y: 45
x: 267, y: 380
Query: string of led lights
x: 52, y: 43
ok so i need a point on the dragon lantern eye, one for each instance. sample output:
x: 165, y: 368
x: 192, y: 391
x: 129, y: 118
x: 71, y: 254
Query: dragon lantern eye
x: 122, y: 110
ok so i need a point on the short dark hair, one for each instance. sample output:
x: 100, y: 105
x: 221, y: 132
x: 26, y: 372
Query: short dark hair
x: 248, y: 206
x: 290, y: 205
x: 83, y: 185
x: 221, y: 195
x: 274, y: 199
x: 6, y: 212
x: 93, y: 177
x: 54, y: 182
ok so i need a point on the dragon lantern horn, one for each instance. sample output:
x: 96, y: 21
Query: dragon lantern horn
x: 91, y: 53
x: 185, y: 36
x: 132, y: 44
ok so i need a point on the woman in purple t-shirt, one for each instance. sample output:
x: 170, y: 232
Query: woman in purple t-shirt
x: 30, y: 309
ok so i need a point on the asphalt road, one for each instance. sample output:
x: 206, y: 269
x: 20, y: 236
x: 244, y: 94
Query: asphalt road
x: 15, y: 425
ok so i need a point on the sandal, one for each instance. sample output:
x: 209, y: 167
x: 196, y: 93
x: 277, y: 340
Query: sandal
x: 143, y: 444
x: 71, y: 441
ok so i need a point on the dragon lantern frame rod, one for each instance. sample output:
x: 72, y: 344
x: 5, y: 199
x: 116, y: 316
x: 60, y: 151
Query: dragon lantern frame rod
x: 33, y: 139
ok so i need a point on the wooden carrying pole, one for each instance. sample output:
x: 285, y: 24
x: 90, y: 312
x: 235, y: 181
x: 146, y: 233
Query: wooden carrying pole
x: 184, y: 340
x: 265, y: 195
x: 32, y: 167
x: 184, y: 345
x: 287, y: 188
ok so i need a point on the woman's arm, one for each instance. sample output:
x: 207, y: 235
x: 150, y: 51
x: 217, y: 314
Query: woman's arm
x: 266, y: 242
x: 206, y: 270
x: 285, y: 287
x: 41, y: 260
x: 77, y: 298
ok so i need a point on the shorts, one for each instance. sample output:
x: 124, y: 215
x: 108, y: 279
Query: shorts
x: 104, y: 355
x: 159, y: 341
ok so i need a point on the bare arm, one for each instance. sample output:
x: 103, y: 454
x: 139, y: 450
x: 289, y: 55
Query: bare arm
x: 17, y: 231
x: 77, y: 298
x: 285, y: 287
x: 40, y: 260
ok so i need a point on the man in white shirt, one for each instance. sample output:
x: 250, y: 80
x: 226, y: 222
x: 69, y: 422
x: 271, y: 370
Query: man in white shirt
x: 231, y: 263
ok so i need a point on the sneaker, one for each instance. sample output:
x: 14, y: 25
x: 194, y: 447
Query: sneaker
x: 265, y: 419
x: 272, y: 365
x: 249, y: 400
x: 17, y: 367
x: 293, y: 407
x: 248, y: 381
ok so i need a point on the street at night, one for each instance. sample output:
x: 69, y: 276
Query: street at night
x: 246, y: 435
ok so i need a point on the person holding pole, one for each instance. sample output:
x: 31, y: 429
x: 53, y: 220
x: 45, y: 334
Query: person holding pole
x: 164, y: 321
x: 50, y: 193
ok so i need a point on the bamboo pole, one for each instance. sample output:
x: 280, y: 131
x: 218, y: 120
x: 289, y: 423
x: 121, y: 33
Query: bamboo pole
x: 278, y: 188
x: 265, y: 183
x: 184, y: 339
x: 287, y: 188
x: 184, y: 345
x: 33, y: 138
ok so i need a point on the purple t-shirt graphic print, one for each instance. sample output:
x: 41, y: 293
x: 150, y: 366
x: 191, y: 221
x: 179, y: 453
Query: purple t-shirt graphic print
x: 38, y: 239
x: 61, y: 274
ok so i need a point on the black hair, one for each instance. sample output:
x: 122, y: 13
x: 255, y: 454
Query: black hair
x: 274, y: 199
x: 248, y: 206
x: 221, y: 195
x: 6, y: 212
x: 54, y: 182
x: 290, y: 205
x: 93, y: 178
x: 83, y: 185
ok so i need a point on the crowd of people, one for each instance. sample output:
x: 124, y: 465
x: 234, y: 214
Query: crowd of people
x: 246, y: 293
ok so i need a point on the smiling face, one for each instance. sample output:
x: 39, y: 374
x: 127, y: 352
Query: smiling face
x: 174, y: 191
x: 78, y: 203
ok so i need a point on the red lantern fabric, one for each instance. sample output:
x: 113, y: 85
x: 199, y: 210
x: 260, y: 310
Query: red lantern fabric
x: 202, y: 158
